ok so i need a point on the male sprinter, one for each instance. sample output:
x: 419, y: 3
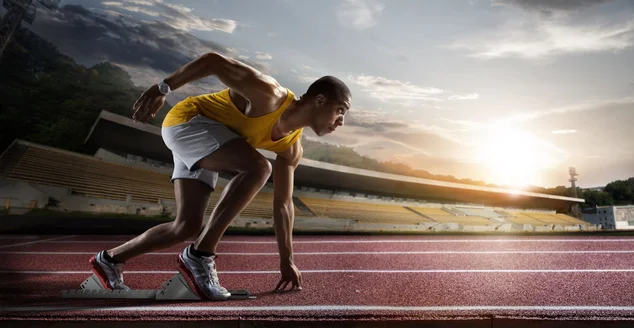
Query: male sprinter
x: 219, y: 132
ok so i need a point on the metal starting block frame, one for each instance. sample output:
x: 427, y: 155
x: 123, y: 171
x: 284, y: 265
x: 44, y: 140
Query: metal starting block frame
x: 176, y: 288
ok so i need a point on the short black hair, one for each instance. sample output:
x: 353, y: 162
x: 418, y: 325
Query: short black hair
x: 331, y: 87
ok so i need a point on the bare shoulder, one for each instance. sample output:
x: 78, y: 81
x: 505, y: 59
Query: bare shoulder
x: 293, y: 154
x: 267, y: 97
x: 261, y: 91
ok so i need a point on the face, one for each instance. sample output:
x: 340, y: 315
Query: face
x: 330, y: 114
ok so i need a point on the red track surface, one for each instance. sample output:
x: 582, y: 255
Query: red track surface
x: 402, y: 277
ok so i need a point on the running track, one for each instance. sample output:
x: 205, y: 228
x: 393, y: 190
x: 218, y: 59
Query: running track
x: 345, y: 277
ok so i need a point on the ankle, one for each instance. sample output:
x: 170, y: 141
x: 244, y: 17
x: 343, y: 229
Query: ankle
x: 199, y: 253
x: 111, y: 258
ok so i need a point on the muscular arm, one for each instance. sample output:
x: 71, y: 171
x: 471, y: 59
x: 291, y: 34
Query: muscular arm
x: 261, y: 90
x: 283, y: 208
x: 244, y: 79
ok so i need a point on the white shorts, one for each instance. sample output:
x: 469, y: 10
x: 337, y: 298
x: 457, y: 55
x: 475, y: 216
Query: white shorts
x: 192, y: 141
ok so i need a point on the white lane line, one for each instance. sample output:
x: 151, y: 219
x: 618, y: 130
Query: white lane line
x: 17, y: 237
x: 37, y: 241
x: 383, y: 241
x: 346, y: 271
x: 348, y: 253
x: 320, y: 308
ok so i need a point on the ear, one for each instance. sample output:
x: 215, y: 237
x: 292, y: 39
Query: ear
x: 320, y: 100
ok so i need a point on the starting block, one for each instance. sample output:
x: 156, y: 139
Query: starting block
x: 176, y: 288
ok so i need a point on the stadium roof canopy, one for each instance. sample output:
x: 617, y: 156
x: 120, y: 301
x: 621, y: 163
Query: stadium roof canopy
x: 118, y: 133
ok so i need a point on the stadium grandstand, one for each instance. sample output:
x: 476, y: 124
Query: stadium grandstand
x: 130, y: 169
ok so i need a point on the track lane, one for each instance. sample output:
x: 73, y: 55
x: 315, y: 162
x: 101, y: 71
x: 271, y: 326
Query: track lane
x: 397, y: 295
x: 74, y: 262
x: 344, y: 289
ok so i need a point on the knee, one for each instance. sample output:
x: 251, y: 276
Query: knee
x: 185, y: 230
x: 261, y: 167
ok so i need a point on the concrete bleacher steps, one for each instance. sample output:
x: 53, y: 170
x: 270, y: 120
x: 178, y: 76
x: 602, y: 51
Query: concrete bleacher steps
x: 9, y: 158
x: 443, y: 215
x: 92, y: 177
x: 478, y: 212
x: 361, y: 211
x: 303, y: 207
x: 117, y: 182
x: 541, y: 219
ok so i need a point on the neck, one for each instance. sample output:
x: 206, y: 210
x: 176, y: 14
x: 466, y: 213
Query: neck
x: 296, y: 116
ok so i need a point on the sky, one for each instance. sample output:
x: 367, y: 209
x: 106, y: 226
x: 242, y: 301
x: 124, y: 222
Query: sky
x: 511, y: 92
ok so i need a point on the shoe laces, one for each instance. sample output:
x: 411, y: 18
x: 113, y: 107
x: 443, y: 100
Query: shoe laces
x: 210, y: 266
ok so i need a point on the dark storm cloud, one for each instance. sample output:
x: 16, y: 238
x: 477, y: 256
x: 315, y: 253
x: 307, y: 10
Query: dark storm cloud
x: 92, y: 37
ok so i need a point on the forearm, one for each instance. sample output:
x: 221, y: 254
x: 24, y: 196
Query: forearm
x: 197, y: 69
x: 283, y: 217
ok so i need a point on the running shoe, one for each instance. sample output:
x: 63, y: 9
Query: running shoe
x: 110, y: 274
x: 202, y: 275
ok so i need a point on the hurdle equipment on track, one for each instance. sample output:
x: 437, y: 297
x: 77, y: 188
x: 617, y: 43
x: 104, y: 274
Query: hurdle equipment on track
x: 176, y: 288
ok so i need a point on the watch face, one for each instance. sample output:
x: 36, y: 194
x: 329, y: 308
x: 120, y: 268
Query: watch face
x: 164, y: 88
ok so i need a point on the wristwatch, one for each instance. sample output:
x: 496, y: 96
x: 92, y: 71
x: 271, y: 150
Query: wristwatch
x: 164, y: 88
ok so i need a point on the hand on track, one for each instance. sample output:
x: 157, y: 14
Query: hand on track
x: 290, y: 274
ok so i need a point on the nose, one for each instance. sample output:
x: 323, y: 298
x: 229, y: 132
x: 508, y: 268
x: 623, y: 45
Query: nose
x: 340, y: 122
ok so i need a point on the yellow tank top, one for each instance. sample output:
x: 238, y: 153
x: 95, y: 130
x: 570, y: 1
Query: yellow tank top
x: 219, y: 107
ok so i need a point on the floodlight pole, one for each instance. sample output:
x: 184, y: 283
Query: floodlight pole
x: 575, y: 208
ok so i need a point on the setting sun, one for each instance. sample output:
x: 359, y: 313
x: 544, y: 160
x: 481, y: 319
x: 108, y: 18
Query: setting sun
x: 513, y: 157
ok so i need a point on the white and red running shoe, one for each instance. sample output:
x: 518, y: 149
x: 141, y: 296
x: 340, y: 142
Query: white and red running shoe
x: 201, y: 275
x: 110, y: 274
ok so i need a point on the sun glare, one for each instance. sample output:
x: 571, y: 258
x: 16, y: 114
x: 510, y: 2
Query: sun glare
x: 514, y: 158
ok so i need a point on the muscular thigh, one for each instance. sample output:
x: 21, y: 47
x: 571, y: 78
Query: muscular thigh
x: 233, y: 157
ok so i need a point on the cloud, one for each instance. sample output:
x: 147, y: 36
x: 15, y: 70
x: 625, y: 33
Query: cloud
x: 262, y: 56
x: 91, y: 37
x: 146, y: 76
x: 569, y: 131
x: 559, y: 28
x: 174, y: 15
x: 546, y: 39
x: 359, y: 14
x: 474, y: 95
x: 307, y: 74
x: 375, y: 120
x: 466, y: 125
x: 604, y: 131
x: 373, y: 134
x: 549, y: 6
x: 385, y: 89
x: 576, y: 108
x: 260, y: 62
x: 306, y: 78
x: 371, y: 128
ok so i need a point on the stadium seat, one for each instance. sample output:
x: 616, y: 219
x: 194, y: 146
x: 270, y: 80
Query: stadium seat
x: 440, y: 215
x: 93, y: 177
x: 362, y: 211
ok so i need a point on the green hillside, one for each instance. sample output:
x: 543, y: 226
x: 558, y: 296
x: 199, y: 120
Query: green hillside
x: 49, y: 99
